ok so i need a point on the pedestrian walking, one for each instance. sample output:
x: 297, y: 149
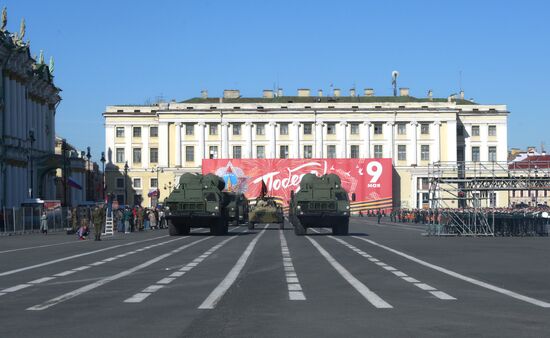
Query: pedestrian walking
x: 44, y: 223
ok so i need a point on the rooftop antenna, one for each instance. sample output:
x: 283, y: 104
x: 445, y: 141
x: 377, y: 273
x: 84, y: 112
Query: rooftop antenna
x: 394, y: 76
x: 460, y: 80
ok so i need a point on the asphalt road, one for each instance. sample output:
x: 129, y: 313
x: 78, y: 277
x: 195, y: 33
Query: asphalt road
x: 383, y: 280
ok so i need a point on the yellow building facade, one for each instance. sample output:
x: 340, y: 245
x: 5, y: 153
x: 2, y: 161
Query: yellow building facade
x: 160, y: 142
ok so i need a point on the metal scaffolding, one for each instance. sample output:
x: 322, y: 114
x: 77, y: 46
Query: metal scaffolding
x: 464, y: 193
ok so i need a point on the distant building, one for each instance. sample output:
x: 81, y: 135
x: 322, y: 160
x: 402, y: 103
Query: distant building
x: 159, y: 142
x: 28, y: 101
x: 531, y: 165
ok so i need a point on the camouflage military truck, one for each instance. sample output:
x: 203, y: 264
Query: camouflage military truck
x: 237, y: 209
x: 321, y: 202
x: 198, y: 201
x: 266, y: 210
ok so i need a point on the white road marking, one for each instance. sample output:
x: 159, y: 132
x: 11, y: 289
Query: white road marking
x: 425, y: 286
x: 369, y: 295
x: 41, y: 280
x: 41, y: 246
x: 457, y: 275
x: 11, y: 272
x: 442, y: 295
x: 293, y: 284
x: 411, y: 280
x: 399, y: 274
x: 16, y: 288
x: 84, y: 267
x: 101, y: 282
x: 137, y: 298
x: 65, y: 273
x: 217, y: 294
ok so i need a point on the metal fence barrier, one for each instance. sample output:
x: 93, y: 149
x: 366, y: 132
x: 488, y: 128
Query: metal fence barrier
x: 27, y: 219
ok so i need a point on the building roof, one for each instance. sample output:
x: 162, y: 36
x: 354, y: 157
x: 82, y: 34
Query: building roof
x: 532, y: 162
x: 324, y: 99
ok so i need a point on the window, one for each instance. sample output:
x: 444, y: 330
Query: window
x: 120, y: 183
x: 237, y: 152
x: 119, y: 155
x: 378, y: 151
x: 236, y: 129
x: 213, y: 152
x: 137, y: 131
x: 475, y: 154
x: 283, y: 129
x: 154, y: 183
x: 475, y: 130
x: 213, y: 129
x: 378, y: 129
x: 401, y: 152
x: 354, y: 151
x: 136, y: 155
x: 331, y: 128
x: 119, y: 131
x: 354, y: 128
x: 424, y: 152
x: 308, y: 151
x: 260, y: 128
x: 492, y: 130
x: 424, y: 128
x: 189, y: 154
x: 331, y: 151
x: 307, y: 128
x: 260, y: 151
x: 492, y: 154
x: 154, y: 131
x: 153, y: 155
x: 283, y: 152
x: 401, y: 129
x: 137, y: 183
x: 189, y: 129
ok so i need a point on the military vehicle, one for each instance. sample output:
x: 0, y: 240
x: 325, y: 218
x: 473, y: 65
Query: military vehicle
x: 237, y: 209
x: 198, y: 201
x: 266, y: 210
x: 321, y: 202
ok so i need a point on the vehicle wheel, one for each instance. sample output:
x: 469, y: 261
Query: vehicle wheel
x: 184, y: 230
x: 250, y: 225
x: 219, y: 228
x: 173, y: 228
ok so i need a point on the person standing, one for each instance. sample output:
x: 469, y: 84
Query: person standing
x: 98, y: 219
x: 379, y: 215
x: 152, y: 220
x: 127, y: 217
x: 44, y: 223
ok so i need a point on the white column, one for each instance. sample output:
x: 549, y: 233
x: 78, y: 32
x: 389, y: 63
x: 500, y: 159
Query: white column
x: 178, y: 144
x: 343, y: 137
x: 163, y: 144
x: 296, y: 142
x: 467, y: 143
x: 451, y: 141
x: 437, y: 142
x: 389, y: 140
x: 199, y: 127
x: 272, y: 132
x: 502, y: 146
x: 319, y: 137
x: 109, y: 143
x: 145, y: 147
x: 483, y: 137
x: 366, y: 139
x: 249, y: 152
x: 225, y: 139
x: 414, y: 147
x: 128, y: 145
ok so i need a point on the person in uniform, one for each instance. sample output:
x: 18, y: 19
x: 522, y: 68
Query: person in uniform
x: 98, y: 219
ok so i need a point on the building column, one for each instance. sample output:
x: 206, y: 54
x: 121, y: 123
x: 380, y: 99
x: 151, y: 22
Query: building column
x: 437, y: 142
x: 414, y: 150
x: 343, y: 137
x: 296, y: 143
x: 319, y: 137
x: 451, y: 141
x: 272, y: 132
x: 128, y: 144
x: 389, y: 141
x: 164, y: 144
x: 178, y: 144
x: 484, y: 147
x: 366, y: 139
x: 225, y: 139
x: 249, y: 153
x: 202, y: 141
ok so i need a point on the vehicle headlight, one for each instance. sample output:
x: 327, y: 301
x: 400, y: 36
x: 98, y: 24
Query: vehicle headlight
x: 347, y: 207
x: 232, y: 209
x: 167, y: 208
x: 216, y: 208
x: 298, y: 207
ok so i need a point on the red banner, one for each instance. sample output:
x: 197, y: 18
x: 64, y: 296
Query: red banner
x: 369, y: 179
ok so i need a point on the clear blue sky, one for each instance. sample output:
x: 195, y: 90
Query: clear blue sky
x: 121, y: 52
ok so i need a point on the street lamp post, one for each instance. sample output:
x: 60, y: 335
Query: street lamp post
x: 125, y: 183
x: 65, y: 172
x: 31, y: 139
x: 88, y: 191
x: 157, y: 170
x: 103, y: 175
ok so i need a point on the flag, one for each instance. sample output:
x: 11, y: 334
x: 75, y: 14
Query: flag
x: 263, y: 192
x: 73, y: 184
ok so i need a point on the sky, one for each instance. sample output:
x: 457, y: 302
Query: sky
x: 133, y: 52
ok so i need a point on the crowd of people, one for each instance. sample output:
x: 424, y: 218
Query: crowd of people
x: 138, y: 219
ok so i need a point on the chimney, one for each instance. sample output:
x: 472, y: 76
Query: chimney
x: 336, y: 92
x: 352, y: 92
x: 204, y: 94
x: 403, y: 91
x: 462, y: 95
x: 304, y: 92
x: 231, y: 94
x: 268, y: 94
x: 320, y: 93
x: 280, y: 92
x: 430, y: 95
x: 369, y: 92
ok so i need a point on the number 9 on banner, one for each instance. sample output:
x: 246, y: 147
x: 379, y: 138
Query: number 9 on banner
x: 374, y: 169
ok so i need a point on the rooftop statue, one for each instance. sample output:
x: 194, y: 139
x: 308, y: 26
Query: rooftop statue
x: 22, y: 29
x: 51, y: 67
x: 4, y: 19
x: 41, y: 57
